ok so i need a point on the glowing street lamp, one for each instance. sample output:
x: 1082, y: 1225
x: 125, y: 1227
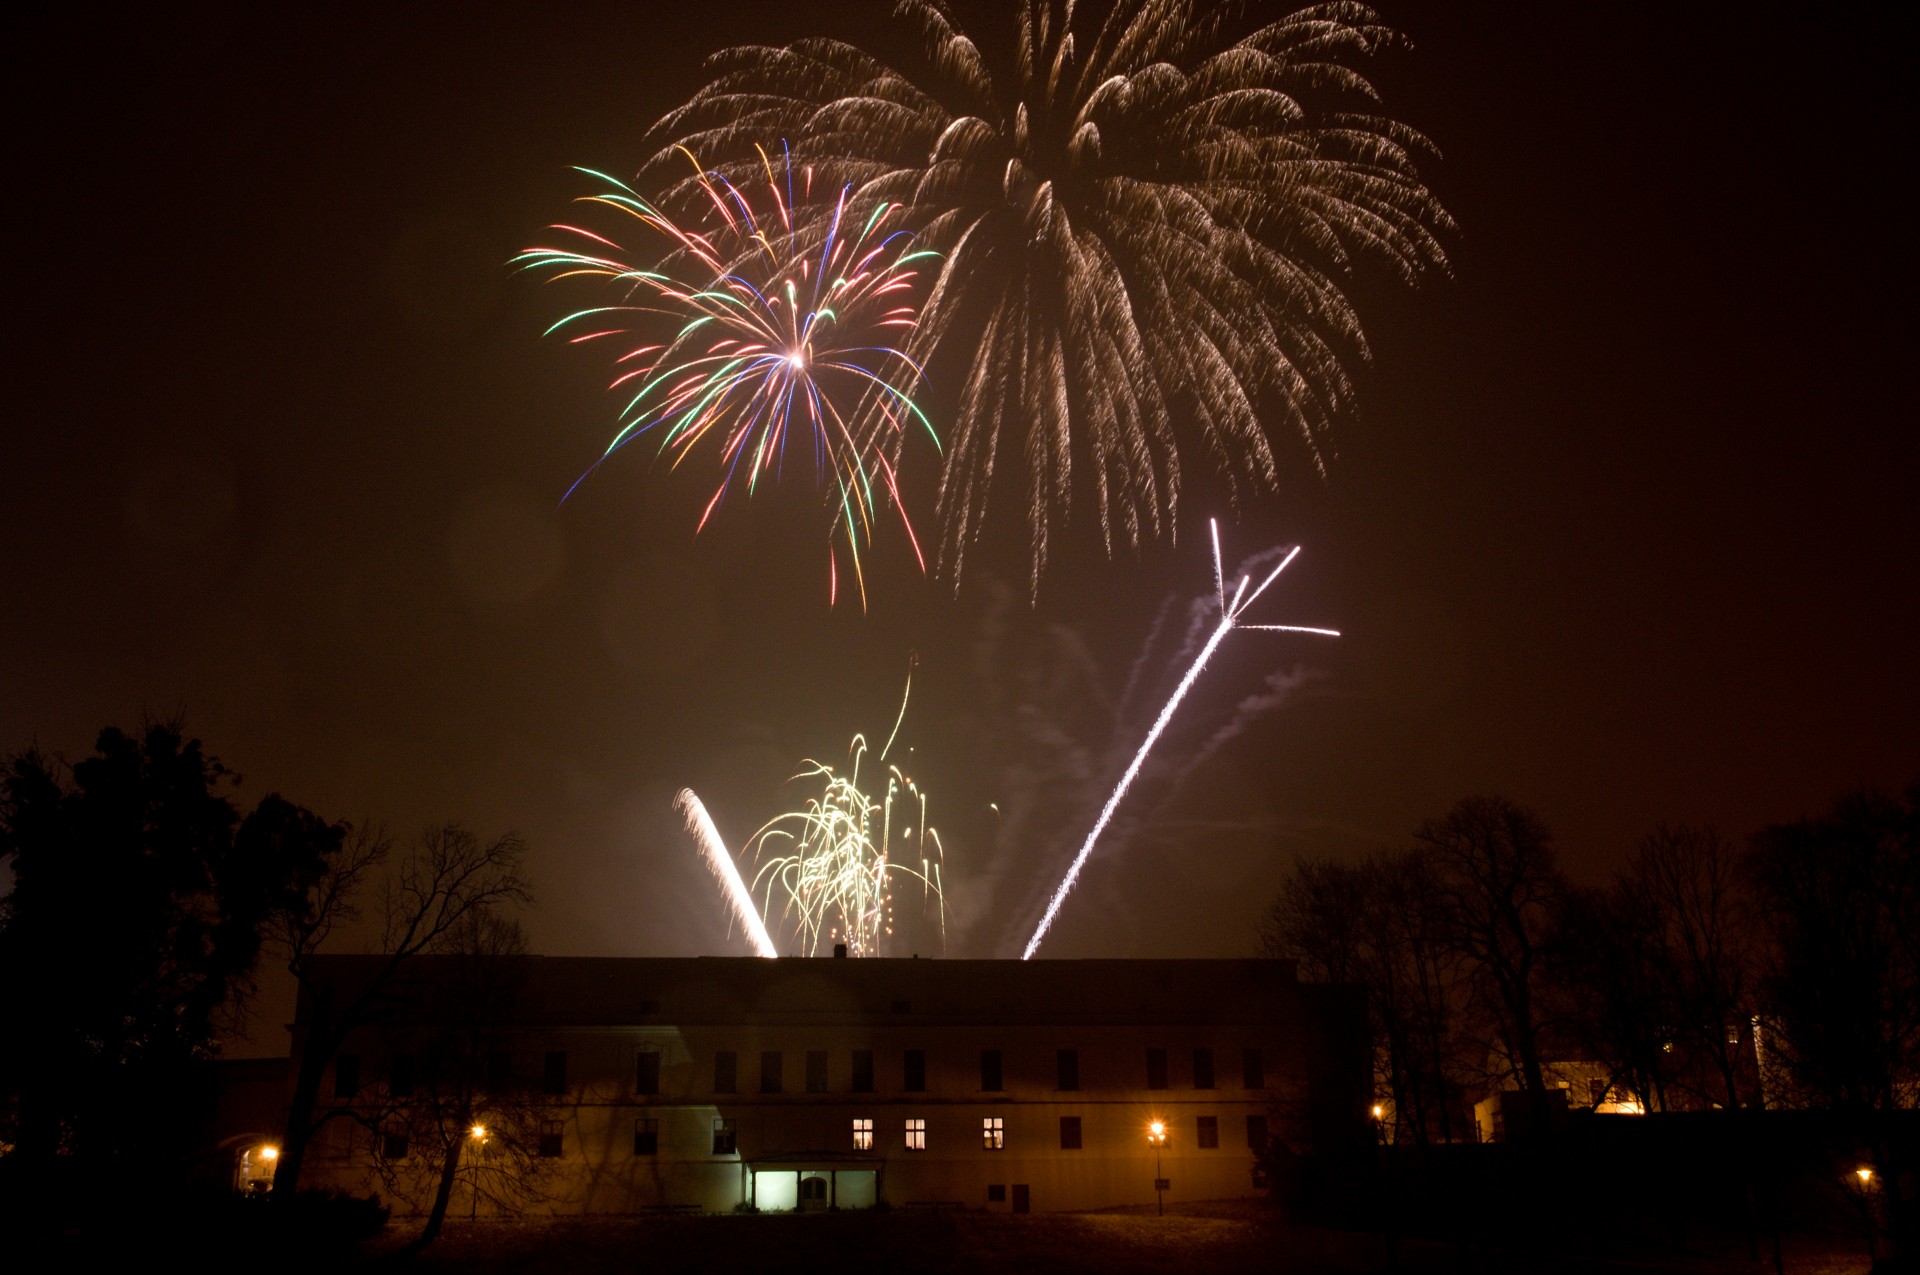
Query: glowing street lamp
x: 1157, y: 1138
x: 479, y: 1135
x: 269, y: 1153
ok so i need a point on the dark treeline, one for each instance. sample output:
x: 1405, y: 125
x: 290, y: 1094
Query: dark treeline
x: 1782, y: 974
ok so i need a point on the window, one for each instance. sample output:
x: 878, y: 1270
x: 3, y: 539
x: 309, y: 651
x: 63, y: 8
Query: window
x: 393, y: 1144
x: 816, y: 1071
x: 863, y: 1071
x: 1069, y: 1069
x: 646, y: 1071
x: 725, y: 1141
x: 1069, y: 1133
x: 915, y: 1068
x: 1206, y: 1134
x: 990, y: 1070
x: 1257, y: 1133
x: 725, y: 1064
x: 916, y: 1134
x: 400, y: 1076
x: 997, y: 1194
x: 993, y: 1134
x: 646, y: 1136
x: 346, y: 1075
x: 553, y: 1076
x: 862, y: 1133
x: 1203, y: 1069
x: 1156, y: 1069
x: 551, y: 1136
x: 769, y: 1071
x: 1256, y: 1070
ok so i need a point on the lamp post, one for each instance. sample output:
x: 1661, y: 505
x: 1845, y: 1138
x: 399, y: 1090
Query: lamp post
x: 1863, y: 1177
x: 479, y: 1136
x: 1157, y: 1137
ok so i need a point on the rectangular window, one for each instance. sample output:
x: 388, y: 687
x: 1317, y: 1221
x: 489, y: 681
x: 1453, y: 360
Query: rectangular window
x: 552, y: 1133
x: 915, y: 1068
x: 1203, y: 1069
x: 725, y: 1141
x: 816, y: 1071
x: 863, y: 1071
x: 990, y: 1070
x: 769, y: 1071
x: 553, y: 1077
x: 1069, y: 1069
x: 862, y: 1133
x: 997, y: 1194
x: 1069, y: 1133
x: 393, y: 1145
x: 993, y: 1133
x: 1207, y: 1133
x: 400, y: 1076
x: 916, y: 1134
x: 346, y: 1075
x: 1257, y: 1134
x: 1256, y: 1070
x: 646, y: 1071
x: 1156, y: 1069
x: 646, y: 1136
x: 725, y: 1064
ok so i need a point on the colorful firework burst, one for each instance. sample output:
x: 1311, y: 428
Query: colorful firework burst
x: 768, y: 328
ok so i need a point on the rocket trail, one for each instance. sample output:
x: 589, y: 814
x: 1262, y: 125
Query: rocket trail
x: 714, y: 851
x: 1230, y: 612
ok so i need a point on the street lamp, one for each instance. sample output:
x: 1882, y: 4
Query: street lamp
x: 479, y: 1135
x: 1157, y: 1137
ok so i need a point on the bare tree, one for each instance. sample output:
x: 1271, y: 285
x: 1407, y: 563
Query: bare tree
x: 444, y: 878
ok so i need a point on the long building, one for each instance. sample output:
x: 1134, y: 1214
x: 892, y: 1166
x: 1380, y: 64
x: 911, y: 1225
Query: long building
x: 626, y: 1085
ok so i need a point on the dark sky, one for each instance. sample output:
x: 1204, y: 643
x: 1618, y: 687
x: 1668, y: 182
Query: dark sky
x: 1625, y: 528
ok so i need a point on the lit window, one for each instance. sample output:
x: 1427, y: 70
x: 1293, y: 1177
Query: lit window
x: 646, y: 1136
x: 993, y: 1133
x: 1207, y: 1132
x: 862, y: 1134
x: 916, y: 1135
x: 551, y: 1137
x: 1069, y: 1133
x: 724, y: 1140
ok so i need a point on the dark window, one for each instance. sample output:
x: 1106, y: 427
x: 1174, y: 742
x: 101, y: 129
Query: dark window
x: 1257, y: 1133
x: 724, y: 1141
x: 1207, y: 1133
x: 1203, y: 1069
x: 916, y: 1070
x: 863, y: 1071
x: 997, y: 1194
x: 1069, y: 1133
x: 646, y: 1136
x: 346, y: 1075
x: 400, y: 1076
x: 1069, y: 1069
x: 553, y: 1077
x: 1256, y: 1070
x: 499, y: 1068
x: 1156, y: 1069
x: 725, y: 1064
x: 769, y: 1071
x: 393, y: 1145
x: 990, y: 1070
x: 816, y: 1071
x: 551, y: 1136
x: 646, y: 1071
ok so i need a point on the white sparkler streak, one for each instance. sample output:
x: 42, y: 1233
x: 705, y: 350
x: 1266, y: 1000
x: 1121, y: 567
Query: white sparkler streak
x: 720, y: 863
x: 1229, y: 613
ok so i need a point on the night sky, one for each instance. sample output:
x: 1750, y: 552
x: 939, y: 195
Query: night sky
x: 1625, y: 528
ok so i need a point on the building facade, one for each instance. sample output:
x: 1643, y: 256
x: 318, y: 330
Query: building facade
x: 627, y: 1085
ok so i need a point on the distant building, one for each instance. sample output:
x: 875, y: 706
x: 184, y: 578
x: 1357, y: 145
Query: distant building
x: 713, y: 1083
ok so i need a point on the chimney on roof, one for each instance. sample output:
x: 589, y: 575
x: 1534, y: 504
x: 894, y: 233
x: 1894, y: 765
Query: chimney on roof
x: 839, y: 951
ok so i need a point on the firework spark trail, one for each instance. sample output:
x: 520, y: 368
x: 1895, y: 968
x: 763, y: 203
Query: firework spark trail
x: 1230, y: 612
x: 714, y: 851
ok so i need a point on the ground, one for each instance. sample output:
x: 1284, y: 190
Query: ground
x: 1192, y: 1238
